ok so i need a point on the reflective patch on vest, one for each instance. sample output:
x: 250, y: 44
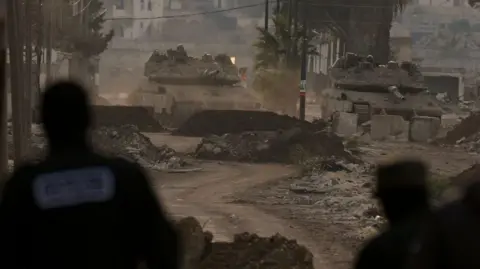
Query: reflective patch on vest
x: 74, y: 187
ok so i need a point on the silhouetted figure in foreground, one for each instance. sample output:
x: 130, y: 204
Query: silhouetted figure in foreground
x: 77, y: 209
x: 452, y: 240
x: 402, y: 191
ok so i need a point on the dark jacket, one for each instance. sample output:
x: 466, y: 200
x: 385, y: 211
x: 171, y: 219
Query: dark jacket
x: 83, y: 211
x: 452, y: 240
x: 391, y: 248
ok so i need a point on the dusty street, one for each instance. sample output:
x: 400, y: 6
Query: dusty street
x: 207, y: 195
x: 331, y: 213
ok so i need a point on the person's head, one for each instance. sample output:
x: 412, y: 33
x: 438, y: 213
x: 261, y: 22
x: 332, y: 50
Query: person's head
x: 65, y: 114
x: 402, y: 188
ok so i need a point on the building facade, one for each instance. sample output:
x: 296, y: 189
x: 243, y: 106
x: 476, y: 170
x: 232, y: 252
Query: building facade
x: 134, y: 19
x: 443, y: 3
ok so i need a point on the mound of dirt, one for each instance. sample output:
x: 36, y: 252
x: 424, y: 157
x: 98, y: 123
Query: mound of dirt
x: 100, y: 101
x: 219, y: 122
x: 466, y: 176
x: 129, y: 143
x: 246, y: 251
x: 124, y: 141
x: 140, y: 117
x: 291, y: 146
x: 466, y: 128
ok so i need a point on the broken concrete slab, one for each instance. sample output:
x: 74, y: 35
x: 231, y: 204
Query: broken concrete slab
x: 345, y: 124
x: 422, y: 128
x: 385, y: 126
x: 331, y: 106
x: 450, y: 120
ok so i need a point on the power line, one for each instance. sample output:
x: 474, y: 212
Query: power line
x: 74, y: 3
x: 314, y: 4
x: 85, y: 7
x: 189, y: 14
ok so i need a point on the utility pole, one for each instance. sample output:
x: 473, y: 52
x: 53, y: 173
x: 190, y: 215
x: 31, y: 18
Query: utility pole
x: 87, y: 77
x: 3, y: 94
x: 39, y: 54
x: 15, y: 46
x: 278, y: 7
x: 294, y: 47
x: 266, y: 14
x: 289, y: 43
x: 28, y: 104
x: 303, y: 71
x: 48, y: 40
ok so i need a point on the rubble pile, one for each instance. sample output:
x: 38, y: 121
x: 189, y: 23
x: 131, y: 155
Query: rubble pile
x: 246, y: 251
x: 219, y: 122
x: 127, y: 142
x: 465, y: 130
x: 465, y: 135
x: 124, y: 141
x: 467, y: 175
x: 289, y: 146
x: 343, y: 193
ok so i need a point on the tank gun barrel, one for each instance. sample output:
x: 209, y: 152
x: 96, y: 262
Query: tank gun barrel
x: 396, y: 92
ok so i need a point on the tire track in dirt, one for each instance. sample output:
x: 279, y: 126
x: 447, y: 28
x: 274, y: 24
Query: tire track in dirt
x: 206, y: 195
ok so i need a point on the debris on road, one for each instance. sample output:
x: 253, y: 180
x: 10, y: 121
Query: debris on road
x: 246, y: 251
x: 286, y: 146
x: 465, y: 129
x: 219, y: 122
x: 124, y: 141
x: 129, y: 143
x: 323, y: 198
x: 466, y: 176
x: 465, y: 135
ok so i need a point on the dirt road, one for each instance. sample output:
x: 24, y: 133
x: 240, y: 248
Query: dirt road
x: 207, y: 195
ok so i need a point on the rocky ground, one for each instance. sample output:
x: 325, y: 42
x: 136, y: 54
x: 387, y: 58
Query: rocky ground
x: 327, y: 204
x: 246, y: 250
x: 124, y: 141
x: 340, y: 202
x: 333, y: 195
x: 284, y: 146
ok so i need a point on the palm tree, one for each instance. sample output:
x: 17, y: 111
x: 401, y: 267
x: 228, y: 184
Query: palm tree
x: 386, y: 16
x: 71, y: 38
x: 272, y: 45
x: 362, y: 25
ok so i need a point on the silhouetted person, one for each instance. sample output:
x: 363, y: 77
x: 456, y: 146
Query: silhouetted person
x: 452, y: 240
x: 402, y: 191
x: 77, y: 209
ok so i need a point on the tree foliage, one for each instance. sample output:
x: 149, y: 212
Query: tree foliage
x: 363, y: 25
x: 272, y: 45
x: 71, y: 37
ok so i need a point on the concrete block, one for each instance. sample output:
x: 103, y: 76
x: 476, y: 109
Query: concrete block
x: 385, y: 126
x: 345, y: 124
x: 423, y: 129
x: 449, y: 120
x: 338, y: 105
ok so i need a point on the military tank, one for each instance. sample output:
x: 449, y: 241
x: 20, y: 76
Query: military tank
x: 361, y: 86
x: 178, y: 86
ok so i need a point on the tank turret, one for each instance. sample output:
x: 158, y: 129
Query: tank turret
x: 354, y: 72
x: 175, y: 67
x: 363, y: 86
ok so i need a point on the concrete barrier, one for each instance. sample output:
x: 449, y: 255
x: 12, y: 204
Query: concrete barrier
x: 345, y: 124
x: 385, y: 126
x: 449, y: 120
x: 423, y: 128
